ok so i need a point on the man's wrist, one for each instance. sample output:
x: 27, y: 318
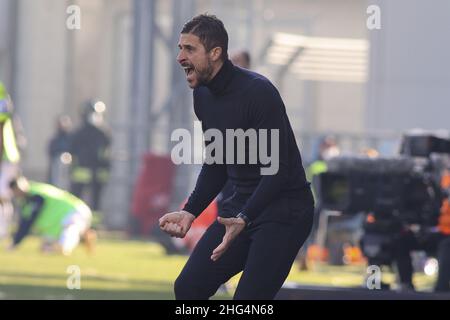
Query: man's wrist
x: 189, y: 214
x: 244, y: 217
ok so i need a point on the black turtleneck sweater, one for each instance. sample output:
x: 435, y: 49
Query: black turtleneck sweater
x: 237, y: 98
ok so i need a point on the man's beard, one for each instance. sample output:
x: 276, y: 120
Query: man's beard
x: 204, y: 75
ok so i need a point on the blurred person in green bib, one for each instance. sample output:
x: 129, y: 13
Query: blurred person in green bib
x: 9, y: 157
x: 60, y: 218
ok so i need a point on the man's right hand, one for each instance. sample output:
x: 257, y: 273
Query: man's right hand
x: 177, y: 224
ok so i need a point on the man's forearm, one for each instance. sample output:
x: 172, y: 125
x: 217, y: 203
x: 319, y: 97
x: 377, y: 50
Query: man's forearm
x: 210, y: 182
x: 26, y: 223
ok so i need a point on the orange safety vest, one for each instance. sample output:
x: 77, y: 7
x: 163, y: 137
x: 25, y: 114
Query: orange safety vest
x: 444, y: 218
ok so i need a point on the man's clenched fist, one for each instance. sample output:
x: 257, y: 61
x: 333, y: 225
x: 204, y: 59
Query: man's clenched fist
x: 177, y: 224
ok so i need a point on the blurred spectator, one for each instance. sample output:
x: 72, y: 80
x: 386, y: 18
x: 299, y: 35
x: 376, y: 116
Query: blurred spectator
x: 241, y: 59
x: 328, y: 149
x: 59, y: 144
x: 10, y: 158
x: 433, y: 241
x: 370, y: 152
x: 60, y: 218
x: 90, y: 150
x: 441, y: 241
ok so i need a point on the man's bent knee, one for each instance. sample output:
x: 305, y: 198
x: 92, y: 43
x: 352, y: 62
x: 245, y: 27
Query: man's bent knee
x: 186, y: 289
x: 181, y: 288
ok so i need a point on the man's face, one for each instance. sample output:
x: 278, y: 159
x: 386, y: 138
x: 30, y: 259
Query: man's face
x: 194, y: 59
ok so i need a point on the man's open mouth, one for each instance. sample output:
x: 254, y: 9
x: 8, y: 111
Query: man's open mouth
x: 188, y: 70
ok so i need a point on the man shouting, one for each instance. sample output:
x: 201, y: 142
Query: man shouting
x: 262, y: 226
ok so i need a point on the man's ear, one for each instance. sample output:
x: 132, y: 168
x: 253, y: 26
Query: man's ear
x: 216, y: 53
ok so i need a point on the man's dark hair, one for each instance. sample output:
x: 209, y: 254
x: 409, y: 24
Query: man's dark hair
x: 211, y: 32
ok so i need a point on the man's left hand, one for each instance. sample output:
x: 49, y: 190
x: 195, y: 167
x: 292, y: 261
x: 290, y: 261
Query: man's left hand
x: 233, y: 226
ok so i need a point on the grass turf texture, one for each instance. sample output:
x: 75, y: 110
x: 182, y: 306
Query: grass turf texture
x: 124, y: 269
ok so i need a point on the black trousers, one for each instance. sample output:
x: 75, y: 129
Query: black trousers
x: 264, y: 252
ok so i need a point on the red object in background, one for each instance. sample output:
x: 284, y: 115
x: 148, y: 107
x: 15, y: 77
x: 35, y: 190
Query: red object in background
x: 151, y: 195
